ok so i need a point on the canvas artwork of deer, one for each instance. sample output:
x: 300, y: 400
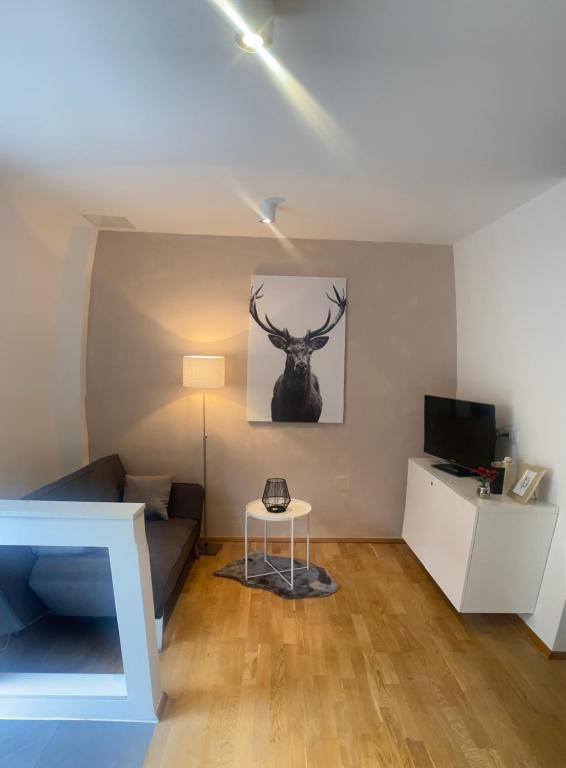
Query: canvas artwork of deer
x: 297, y: 395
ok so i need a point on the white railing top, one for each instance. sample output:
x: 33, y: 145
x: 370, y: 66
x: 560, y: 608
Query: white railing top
x: 79, y: 510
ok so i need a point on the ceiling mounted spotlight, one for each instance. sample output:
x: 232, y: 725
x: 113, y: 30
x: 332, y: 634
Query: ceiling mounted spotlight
x: 268, y: 209
x: 250, y: 42
x: 258, y: 18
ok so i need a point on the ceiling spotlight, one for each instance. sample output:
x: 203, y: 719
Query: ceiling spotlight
x: 268, y: 209
x: 250, y: 42
x: 256, y: 31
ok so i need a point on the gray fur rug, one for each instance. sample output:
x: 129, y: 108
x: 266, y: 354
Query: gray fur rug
x: 316, y: 582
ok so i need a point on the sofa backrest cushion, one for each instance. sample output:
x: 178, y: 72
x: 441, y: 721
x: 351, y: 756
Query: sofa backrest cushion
x: 186, y: 501
x: 101, y: 480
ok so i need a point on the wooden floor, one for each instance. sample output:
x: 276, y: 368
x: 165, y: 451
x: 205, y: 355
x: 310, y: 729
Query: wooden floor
x: 384, y: 673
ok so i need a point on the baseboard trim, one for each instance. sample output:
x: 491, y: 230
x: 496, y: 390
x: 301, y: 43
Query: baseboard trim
x: 314, y: 539
x: 540, y: 644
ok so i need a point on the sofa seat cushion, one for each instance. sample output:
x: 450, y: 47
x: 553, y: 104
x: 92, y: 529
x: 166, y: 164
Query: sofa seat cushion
x: 170, y: 543
x: 19, y: 605
x: 75, y: 585
x: 81, y: 585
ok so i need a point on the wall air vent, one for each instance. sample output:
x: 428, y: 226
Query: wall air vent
x: 108, y: 222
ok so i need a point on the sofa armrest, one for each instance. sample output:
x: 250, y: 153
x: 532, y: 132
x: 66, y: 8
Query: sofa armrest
x: 186, y: 501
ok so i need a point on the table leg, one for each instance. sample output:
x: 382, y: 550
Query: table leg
x: 246, y: 548
x: 265, y: 541
x: 308, y: 541
x: 292, y: 553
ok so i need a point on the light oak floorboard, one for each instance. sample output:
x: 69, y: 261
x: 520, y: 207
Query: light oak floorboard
x: 383, y: 673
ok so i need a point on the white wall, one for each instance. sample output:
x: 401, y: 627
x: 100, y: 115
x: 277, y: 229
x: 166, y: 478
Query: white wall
x: 511, y: 314
x: 44, y: 270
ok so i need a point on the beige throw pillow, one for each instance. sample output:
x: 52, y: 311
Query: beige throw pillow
x: 151, y: 490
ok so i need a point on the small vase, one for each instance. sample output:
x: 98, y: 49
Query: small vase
x: 496, y: 484
x: 484, y: 491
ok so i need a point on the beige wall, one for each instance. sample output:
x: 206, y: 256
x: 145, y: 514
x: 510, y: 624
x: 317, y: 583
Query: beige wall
x: 157, y: 297
x: 44, y: 264
x: 29, y: 272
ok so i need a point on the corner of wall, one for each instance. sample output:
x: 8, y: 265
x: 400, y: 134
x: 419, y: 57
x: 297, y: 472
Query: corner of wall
x: 72, y: 322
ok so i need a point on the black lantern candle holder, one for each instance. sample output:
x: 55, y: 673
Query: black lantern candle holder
x: 276, y: 496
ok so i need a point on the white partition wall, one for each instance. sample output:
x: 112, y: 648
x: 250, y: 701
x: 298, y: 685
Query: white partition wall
x: 134, y: 695
x: 510, y: 279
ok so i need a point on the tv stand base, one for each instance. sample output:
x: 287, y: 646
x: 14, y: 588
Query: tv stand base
x: 455, y: 469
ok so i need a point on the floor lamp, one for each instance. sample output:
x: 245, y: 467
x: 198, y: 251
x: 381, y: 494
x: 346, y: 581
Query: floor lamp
x: 204, y: 372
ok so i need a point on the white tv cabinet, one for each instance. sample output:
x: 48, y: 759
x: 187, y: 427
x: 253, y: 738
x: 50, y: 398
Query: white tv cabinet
x: 486, y: 555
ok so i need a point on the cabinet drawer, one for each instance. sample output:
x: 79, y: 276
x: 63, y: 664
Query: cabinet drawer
x: 439, y: 527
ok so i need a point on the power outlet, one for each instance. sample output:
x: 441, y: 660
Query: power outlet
x: 508, y: 433
x: 342, y: 483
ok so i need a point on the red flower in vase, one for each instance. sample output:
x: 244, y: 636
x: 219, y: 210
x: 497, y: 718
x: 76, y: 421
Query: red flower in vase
x: 486, y: 474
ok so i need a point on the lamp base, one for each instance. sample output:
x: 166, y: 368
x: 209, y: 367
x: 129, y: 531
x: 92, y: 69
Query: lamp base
x: 209, y: 548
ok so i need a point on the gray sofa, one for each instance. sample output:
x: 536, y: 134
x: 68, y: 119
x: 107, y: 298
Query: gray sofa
x: 77, y: 581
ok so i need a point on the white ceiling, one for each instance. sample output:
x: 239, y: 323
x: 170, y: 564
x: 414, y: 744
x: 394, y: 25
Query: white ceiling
x: 434, y: 116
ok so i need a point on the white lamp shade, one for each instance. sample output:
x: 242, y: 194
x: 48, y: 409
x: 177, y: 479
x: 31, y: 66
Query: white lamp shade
x: 203, y: 371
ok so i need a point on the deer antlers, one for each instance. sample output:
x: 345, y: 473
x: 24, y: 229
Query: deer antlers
x: 283, y: 333
x: 327, y: 326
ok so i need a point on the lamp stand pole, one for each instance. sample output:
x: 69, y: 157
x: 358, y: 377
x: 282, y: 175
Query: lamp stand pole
x: 205, y: 547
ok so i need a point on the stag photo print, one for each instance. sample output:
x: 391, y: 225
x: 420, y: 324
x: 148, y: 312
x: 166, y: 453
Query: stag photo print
x: 297, y: 340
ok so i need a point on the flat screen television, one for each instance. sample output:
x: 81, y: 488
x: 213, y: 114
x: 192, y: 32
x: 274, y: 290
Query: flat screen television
x: 461, y: 432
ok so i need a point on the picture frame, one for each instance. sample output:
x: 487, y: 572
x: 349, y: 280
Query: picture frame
x: 526, y: 483
x: 296, y: 349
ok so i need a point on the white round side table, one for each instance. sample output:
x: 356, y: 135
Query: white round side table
x: 296, y: 509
